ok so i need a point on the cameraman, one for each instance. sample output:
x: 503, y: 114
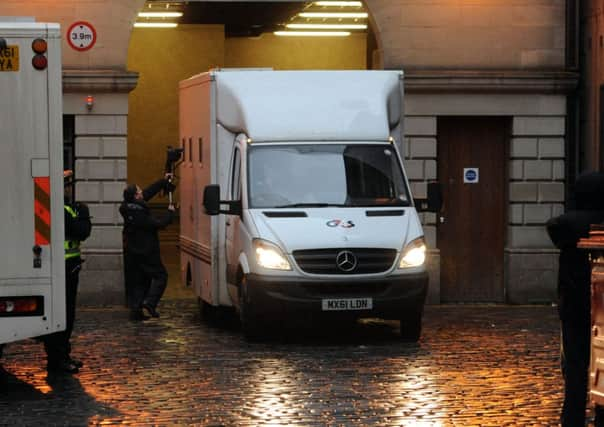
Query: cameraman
x: 146, y: 276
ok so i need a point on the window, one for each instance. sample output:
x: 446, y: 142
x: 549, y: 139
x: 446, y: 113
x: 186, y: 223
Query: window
x: 69, y: 150
x: 326, y: 175
x: 236, y: 175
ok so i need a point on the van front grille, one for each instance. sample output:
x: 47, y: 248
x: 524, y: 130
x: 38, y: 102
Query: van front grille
x: 345, y: 260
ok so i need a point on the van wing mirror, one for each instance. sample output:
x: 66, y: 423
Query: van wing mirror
x: 212, y: 202
x: 434, y: 201
x: 211, y: 199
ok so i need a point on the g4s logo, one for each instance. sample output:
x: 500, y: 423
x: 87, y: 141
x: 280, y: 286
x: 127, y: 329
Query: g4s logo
x: 338, y: 222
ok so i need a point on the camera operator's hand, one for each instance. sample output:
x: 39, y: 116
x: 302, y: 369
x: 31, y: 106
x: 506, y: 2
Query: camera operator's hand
x: 169, y: 187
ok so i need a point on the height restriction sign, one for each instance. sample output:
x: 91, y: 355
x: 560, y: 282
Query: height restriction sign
x: 81, y: 35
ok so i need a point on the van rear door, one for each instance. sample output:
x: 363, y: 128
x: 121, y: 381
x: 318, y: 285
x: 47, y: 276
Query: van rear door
x: 32, y: 277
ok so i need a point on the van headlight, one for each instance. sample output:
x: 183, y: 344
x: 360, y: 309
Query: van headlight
x: 268, y: 255
x: 414, y: 254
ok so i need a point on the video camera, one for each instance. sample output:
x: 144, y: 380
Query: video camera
x: 173, y: 156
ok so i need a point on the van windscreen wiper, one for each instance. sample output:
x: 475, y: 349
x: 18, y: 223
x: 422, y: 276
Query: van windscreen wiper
x: 311, y: 205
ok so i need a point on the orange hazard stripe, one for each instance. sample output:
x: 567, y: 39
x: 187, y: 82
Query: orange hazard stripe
x: 42, y: 210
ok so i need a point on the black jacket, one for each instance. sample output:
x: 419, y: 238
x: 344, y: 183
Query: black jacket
x: 574, y: 274
x: 77, y: 228
x: 140, y: 227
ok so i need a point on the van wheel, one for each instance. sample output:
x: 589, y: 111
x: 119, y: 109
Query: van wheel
x: 206, y: 311
x: 250, y: 326
x: 411, y: 326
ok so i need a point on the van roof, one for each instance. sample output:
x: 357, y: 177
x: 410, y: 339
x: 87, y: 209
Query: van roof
x: 308, y: 105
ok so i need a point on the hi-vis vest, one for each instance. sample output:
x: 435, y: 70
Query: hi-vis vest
x: 72, y: 247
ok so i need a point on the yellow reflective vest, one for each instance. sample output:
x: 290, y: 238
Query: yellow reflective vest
x: 72, y: 247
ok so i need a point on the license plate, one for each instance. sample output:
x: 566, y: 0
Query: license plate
x: 9, y: 58
x: 341, y: 304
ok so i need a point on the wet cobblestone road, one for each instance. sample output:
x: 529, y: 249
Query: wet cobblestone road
x: 474, y: 366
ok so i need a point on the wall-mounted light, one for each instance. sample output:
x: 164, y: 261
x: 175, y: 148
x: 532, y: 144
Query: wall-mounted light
x: 327, y: 26
x: 312, y: 33
x: 155, y: 24
x: 89, y: 102
x: 351, y: 15
x: 339, y: 3
x: 160, y: 14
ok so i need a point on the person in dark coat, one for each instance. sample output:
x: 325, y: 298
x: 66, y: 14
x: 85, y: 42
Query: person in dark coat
x: 574, y: 278
x: 146, y: 276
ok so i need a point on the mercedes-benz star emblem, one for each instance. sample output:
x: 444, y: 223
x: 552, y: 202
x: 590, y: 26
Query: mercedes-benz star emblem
x: 346, y: 261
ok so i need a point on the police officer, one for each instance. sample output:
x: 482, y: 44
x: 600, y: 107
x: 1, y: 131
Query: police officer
x: 77, y: 229
x: 146, y: 276
x: 574, y: 278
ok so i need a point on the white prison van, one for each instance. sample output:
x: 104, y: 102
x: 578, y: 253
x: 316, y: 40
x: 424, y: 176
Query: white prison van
x: 316, y: 217
x: 32, y: 277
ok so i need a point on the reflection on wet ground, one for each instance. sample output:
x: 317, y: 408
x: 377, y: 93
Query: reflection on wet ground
x: 475, y: 365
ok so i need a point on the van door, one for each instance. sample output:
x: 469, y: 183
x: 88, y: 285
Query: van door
x: 32, y: 265
x: 232, y: 222
x: 472, y: 159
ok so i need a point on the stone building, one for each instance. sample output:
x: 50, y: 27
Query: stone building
x: 491, y: 86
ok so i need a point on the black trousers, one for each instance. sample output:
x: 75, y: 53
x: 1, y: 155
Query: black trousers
x: 146, y: 279
x: 575, y: 354
x: 57, y: 345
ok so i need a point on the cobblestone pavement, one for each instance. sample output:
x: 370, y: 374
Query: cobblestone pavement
x: 474, y: 366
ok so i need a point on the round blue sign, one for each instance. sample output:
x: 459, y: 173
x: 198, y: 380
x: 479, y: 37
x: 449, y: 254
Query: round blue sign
x: 471, y: 175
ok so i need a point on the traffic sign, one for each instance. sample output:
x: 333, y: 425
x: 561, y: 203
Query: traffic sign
x: 470, y: 175
x: 81, y: 36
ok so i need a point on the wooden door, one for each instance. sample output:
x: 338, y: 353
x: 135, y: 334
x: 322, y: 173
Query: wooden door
x: 472, y: 165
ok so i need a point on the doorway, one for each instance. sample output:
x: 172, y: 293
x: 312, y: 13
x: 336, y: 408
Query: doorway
x: 472, y: 167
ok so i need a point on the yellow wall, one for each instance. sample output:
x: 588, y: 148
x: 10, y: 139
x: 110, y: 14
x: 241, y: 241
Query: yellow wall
x: 164, y: 57
x: 297, y: 53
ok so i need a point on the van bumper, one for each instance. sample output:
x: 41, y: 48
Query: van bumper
x: 280, y: 296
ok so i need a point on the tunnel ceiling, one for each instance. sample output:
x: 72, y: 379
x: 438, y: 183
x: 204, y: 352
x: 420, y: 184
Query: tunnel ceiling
x: 240, y: 19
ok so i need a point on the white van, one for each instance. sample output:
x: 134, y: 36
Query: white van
x: 32, y: 265
x: 318, y: 219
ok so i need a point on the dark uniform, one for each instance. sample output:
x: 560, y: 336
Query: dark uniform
x: 57, y: 345
x: 146, y: 276
x: 574, y: 278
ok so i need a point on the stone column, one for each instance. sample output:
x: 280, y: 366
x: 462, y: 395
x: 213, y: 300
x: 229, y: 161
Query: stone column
x: 420, y: 165
x: 536, y: 193
x: 101, y: 173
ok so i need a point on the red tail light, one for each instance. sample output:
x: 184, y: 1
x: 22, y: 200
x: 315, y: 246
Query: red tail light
x: 39, y: 46
x: 21, y: 306
x: 39, y: 62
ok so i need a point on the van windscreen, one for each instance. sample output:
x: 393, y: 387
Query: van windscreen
x: 321, y: 175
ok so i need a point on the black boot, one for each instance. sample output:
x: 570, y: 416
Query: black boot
x: 151, y: 310
x: 64, y: 366
x: 76, y: 362
x: 137, y: 315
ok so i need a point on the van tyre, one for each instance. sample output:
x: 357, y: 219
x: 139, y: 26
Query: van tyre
x: 411, y: 326
x: 250, y: 325
x: 206, y: 311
